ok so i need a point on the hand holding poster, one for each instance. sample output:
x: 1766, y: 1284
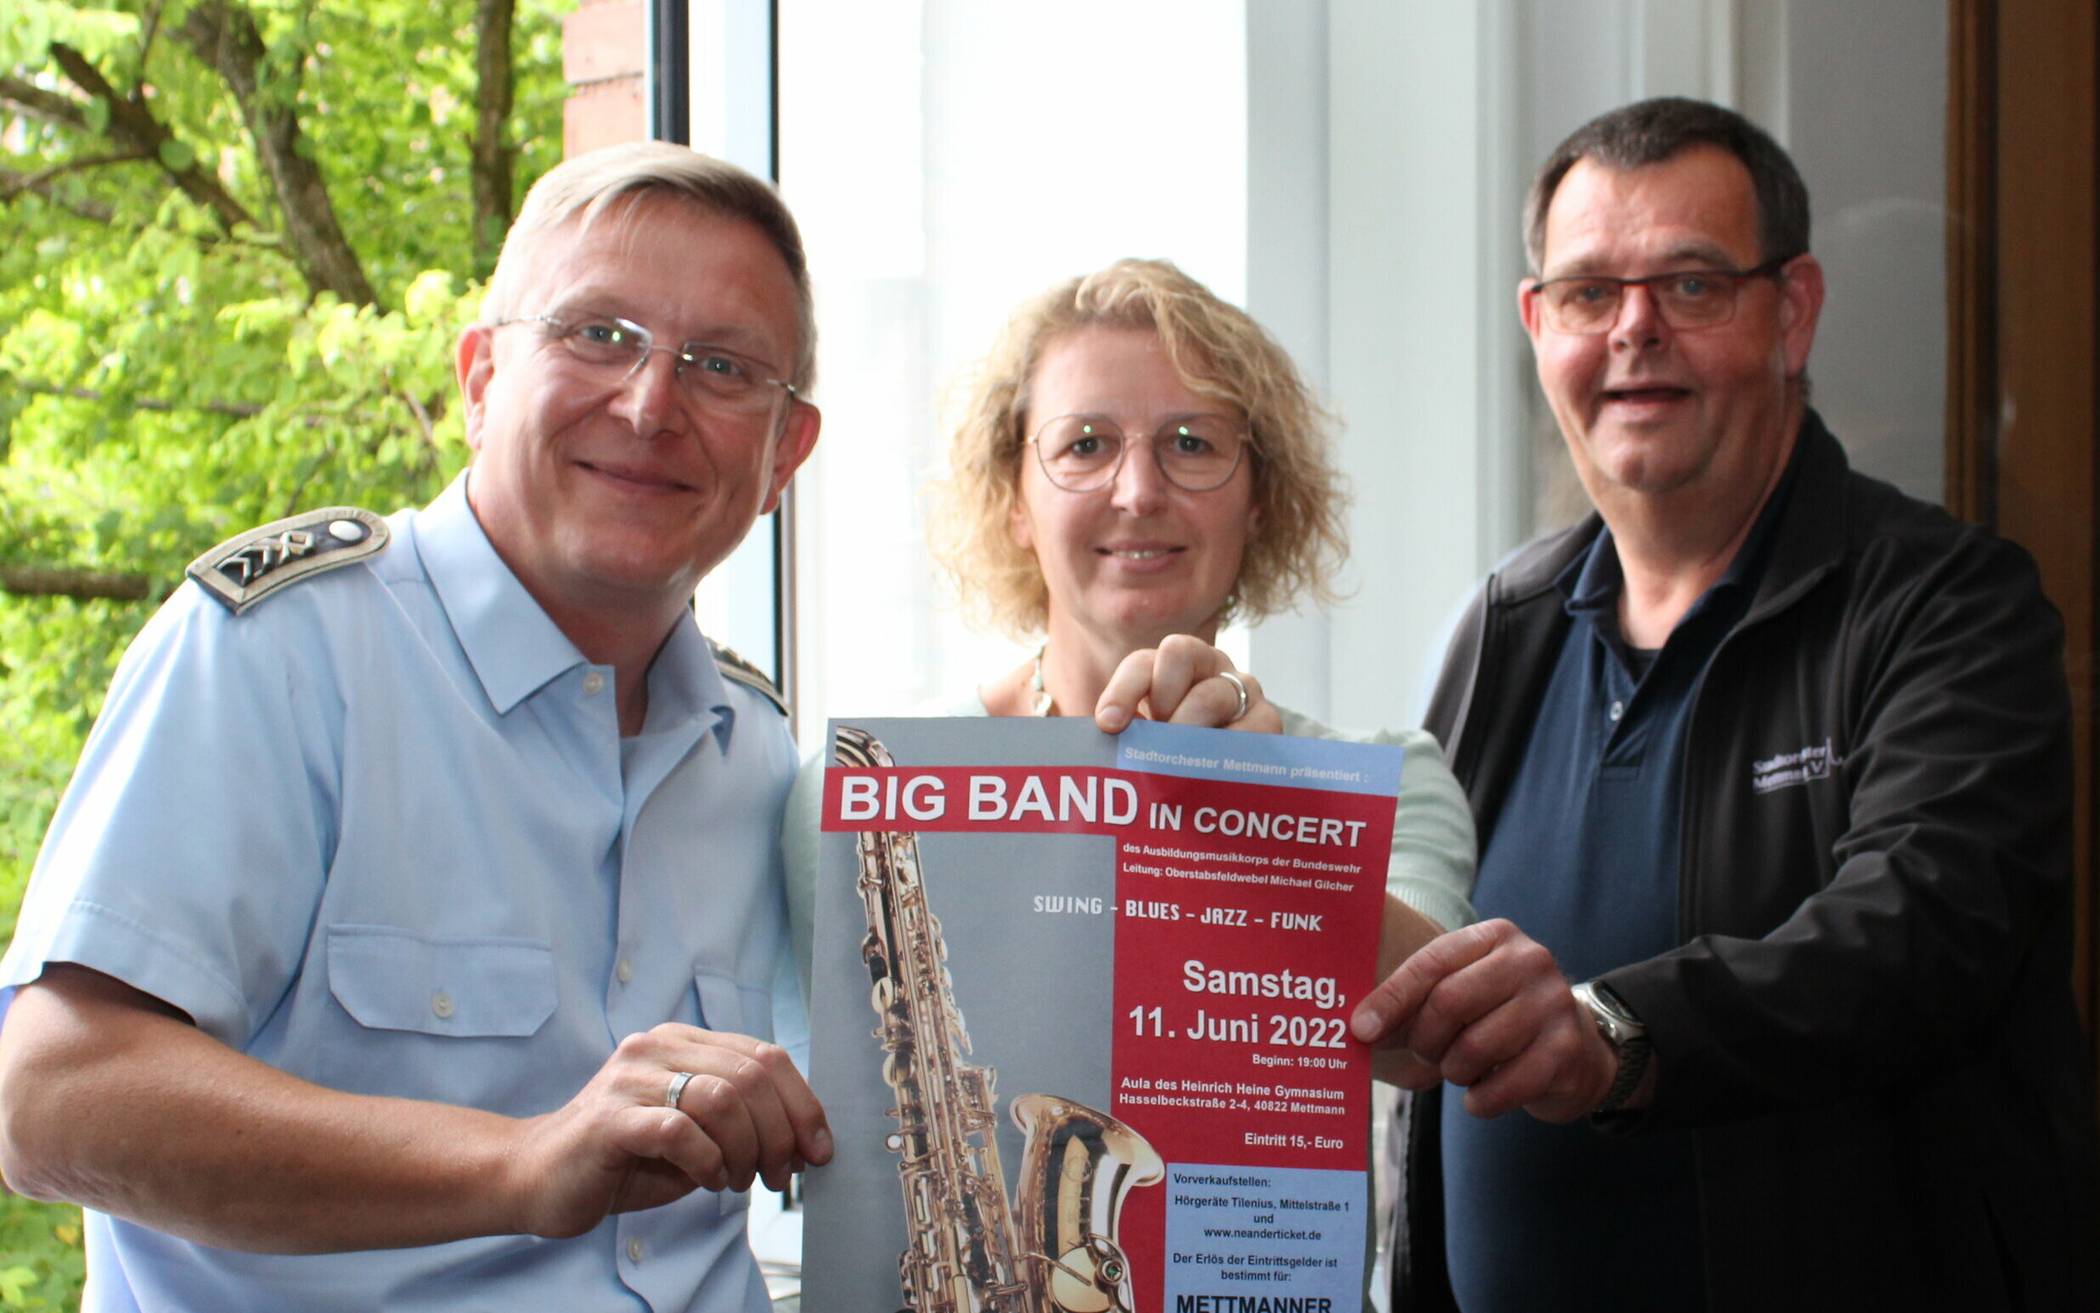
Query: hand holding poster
x: 1156, y: 937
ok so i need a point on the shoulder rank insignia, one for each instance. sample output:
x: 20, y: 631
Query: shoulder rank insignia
x: 243, y: 570
x: 743, y: 672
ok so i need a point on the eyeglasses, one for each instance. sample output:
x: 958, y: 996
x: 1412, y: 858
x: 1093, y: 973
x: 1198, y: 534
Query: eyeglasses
x: 1587, y: 304
x: 713, y: 377
x: 1196, y: 453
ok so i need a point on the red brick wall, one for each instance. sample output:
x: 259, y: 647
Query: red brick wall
x: 604, y: 46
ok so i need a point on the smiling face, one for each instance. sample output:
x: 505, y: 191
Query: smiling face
x: 1652, y: 412
x: 611, y: 496
x: 1130, y: 563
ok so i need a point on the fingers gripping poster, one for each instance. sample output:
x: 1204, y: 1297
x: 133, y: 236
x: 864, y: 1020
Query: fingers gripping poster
x: 1079, y: 1017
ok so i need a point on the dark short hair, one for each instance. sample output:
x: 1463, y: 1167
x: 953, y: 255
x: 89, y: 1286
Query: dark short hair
x: 1652, y: 131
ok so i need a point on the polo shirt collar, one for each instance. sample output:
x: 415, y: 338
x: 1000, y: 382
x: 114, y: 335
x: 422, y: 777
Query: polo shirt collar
x: 1592, y: 582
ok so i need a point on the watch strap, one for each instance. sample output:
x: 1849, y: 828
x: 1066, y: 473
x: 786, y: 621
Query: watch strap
x: 1626, y: 1035
x: 1633, y: 1064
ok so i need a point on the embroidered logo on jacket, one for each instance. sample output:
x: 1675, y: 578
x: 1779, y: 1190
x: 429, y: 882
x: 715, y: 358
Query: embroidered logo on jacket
x: 1787, y: 769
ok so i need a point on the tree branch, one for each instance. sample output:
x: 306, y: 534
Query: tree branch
x: 44, y: 104
x: 14, y: 184
x: 313, y: 467
x: 225, y: 35
x: 132, y: 125
x: 149, y: 28
x: 493, y: 155
x: 425, y: 422
x: 426, y: 414
x: 65, y: 581
x: 236, y: 409
x: 51, y: 107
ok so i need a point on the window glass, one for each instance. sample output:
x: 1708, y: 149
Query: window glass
x: 947, y: 160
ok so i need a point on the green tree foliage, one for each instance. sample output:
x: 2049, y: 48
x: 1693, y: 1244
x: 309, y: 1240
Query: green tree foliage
x: 41, y: 1261
x: 240, y: 237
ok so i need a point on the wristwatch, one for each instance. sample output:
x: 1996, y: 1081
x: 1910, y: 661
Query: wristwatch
x: 1626, y: 1035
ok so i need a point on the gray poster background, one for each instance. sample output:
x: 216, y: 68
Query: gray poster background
x: 1035, y: 989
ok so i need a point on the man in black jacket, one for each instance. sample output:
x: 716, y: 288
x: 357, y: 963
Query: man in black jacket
x: 1775, y: 762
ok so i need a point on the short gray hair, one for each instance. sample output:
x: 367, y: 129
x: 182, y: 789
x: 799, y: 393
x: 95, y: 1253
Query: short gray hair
x: 586, y: 187
x: 1652, y: 131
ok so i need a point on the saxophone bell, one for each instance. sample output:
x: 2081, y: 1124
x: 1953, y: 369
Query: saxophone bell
x: 1077, y: 1170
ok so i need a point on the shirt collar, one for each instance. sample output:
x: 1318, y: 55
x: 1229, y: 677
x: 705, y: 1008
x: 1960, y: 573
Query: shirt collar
x: 1592, y: 582
x: 685, y: 687
x: 516, y: 649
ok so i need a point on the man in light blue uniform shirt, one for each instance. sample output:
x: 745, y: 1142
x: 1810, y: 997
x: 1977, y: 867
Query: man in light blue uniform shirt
x: 408, y: 935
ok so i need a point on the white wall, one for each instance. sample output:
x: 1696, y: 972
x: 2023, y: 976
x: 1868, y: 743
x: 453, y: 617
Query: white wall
x: 1422, y: 344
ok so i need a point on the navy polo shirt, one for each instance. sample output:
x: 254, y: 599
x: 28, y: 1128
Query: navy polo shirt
x: 1584, y: 858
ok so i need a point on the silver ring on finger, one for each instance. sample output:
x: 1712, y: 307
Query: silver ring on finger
x: 1239, y: 686
x: 676, y: 1089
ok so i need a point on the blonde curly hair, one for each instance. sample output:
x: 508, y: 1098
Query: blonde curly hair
x: 1220, y: 353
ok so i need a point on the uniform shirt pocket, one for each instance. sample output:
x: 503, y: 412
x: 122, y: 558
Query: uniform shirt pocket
x: 461, y: 985
x: 728, y: 1005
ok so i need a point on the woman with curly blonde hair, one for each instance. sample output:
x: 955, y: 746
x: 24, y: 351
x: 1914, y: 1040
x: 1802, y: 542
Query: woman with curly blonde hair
x: 1138, y: 462
x: 1142, y: 318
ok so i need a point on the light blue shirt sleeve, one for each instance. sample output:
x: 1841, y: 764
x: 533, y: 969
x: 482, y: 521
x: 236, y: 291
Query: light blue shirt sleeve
x: 382, y: 832
x: 187, y: 856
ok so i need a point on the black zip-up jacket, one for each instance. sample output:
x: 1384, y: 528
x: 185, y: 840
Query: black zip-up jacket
x: 1869, y: 1024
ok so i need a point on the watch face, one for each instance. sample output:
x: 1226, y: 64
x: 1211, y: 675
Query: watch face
x: 1613, y: 1017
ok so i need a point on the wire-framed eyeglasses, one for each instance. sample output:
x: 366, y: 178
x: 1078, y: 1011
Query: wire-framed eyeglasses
x: 711, y: 376
x: 1586, y: 304
x: 1196, y: 453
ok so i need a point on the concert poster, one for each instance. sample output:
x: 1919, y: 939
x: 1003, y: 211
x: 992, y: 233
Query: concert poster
x: 1144, y: 947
